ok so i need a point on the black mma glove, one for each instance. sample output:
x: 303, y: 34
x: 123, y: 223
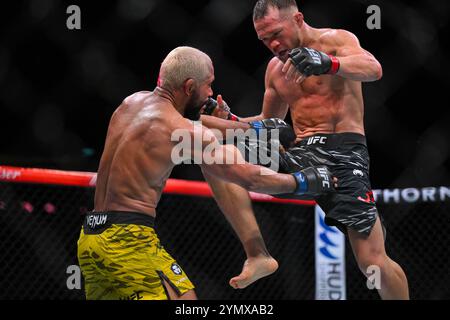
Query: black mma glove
x: 286, y: 134
x: 313, y: 181
x: 262, y: 148
x: 313, y: 62
x: 212, y: 104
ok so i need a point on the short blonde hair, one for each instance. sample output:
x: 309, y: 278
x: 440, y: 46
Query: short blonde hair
x: 184, y: 63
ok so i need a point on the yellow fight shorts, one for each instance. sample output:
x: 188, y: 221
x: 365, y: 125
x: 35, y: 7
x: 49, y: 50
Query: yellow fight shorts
x: 121, y: 257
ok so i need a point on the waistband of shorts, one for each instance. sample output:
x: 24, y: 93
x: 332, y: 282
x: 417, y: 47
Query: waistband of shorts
x: 118, y: 217
x: 333, y: 139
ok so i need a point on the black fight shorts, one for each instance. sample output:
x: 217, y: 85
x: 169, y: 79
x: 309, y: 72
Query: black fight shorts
x: 345, y: 154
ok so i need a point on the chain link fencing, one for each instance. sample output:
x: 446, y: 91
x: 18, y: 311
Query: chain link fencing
x: 41, y: 224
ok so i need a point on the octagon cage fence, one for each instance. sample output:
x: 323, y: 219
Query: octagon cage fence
x: 41, y: 212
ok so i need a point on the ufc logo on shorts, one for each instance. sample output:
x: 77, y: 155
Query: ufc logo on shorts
x: 313, y: 140
x: 324, y: 175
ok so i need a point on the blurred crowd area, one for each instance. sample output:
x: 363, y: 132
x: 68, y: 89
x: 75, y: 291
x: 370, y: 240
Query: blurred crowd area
x: 59, y: 87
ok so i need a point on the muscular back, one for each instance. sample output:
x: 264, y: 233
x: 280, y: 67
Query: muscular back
x: 136, y: 159
x: 325, y: 104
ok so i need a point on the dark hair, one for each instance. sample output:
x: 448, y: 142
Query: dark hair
x: 262, y: 6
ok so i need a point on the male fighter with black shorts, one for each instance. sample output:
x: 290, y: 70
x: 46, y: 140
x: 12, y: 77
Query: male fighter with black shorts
x: 316, y: 74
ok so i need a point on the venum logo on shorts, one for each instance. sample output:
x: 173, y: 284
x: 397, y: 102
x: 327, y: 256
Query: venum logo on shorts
x: 95, y: 220
x: 358, y: 173
x: 176, y: 269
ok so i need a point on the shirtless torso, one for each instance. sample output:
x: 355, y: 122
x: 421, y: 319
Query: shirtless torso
x: 136, y: 160
x: 319, y: 104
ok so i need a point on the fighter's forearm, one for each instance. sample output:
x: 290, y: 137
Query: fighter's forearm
x: 222, y: 125
x: 254, y: 118
x: 260, y: 179
x: 264, y: 180
x: 360, y: 67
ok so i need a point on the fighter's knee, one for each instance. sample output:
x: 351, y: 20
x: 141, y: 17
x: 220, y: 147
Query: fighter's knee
x: 367, y: 262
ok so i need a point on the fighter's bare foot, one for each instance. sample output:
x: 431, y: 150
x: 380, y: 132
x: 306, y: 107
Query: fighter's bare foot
x: 254, y: 268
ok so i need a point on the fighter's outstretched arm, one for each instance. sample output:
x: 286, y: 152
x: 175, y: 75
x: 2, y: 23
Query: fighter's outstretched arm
x: 273, y: 107
x: 251, y: 177
x: 222, y: 125
x: 226, y: 162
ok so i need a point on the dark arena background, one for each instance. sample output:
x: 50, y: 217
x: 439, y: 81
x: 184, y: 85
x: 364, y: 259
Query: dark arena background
x: 60, y: 86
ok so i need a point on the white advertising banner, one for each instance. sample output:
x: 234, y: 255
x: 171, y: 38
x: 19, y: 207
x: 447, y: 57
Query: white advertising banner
x: 330, y: 260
